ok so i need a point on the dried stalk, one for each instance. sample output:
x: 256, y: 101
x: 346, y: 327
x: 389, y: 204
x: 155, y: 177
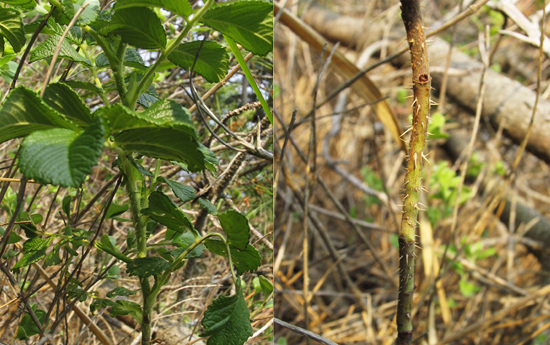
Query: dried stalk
x: 413, y: 179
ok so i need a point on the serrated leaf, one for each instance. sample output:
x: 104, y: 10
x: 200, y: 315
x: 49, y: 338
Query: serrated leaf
x: 61, y: 156
x: 236, y: 228
x: 26, y: 4
x: 249, y: 23
x: 131, y: 58
x: 107, y: 246
x: 212, y: 62
x: 35, y: 250
x: 138, y: 26
x: 226, y: 320
x: 24, y: 112
x: 67, y: 102
x: 247, y: 260
x: 53, y: 28
x: 120, y: 291
x: 87, y: 16
x: 185, y: 193
x: 267, y: 286
x: 84, y: 85
x: 53, y: 258
x: 101, y: 303
x: 164, y: 211
x: 206, y: 204
x: 146, y: 267
x: 11, y: 27
x: 127, y: 308
x: 179, y: 7
x: 46, y: 50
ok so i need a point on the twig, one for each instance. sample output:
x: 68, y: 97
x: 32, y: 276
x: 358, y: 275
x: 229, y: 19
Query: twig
x: 304, y: 332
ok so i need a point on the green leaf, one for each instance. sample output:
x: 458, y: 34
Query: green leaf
x: 109, y: 247
x: 247, y: 260
x: 84, y: 85
x: 179, y: 7
x: 26, y: 4
x: 206, y: 204
x: 46, y: 50
x: 61, y: 156
x: 27, y: 328
x: 236, y: 228
x: 183, y: 241
x: 468, y: 289
x: 131, y: 59
x: 66, y: 101
x: 137, y: 26
x: 266, y: 285
x: 24, y: 112
x: 35, y: 250
x: 212, y: 62
x: 249, y: 23
x: 140, y: 168
x: 66, y: 205
x: 164, y: 211
x: 226, y: 320
x: 185, y: 193
x: 101, y: 303
x: 11, y: 27
x: 120, y: 291
x: 14, y: 238
x: 146, y: 267
x: 127, y: 308
x: 87, y: 16
x: 116, y: 210
x: 53, y: 258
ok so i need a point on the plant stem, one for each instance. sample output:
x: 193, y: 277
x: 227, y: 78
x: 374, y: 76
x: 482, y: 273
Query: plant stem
x: 249, y: 77
x: 413, y: 179
x: 148, y: 77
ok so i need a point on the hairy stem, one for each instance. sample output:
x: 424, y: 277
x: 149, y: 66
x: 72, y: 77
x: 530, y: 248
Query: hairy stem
x: 413, y: 179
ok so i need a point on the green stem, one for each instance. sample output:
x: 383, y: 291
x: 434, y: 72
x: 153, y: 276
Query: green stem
x: 413, y: 179
x: 249, y: 77
x: 94, y: 74
x: 148, y: 77
x: 115, y: 62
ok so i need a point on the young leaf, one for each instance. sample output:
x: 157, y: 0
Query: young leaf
x: 87, y: 16
x: 66, y: 101
x: 107, y: 246
x: 206, y: 204
x: 101, y: 303
x: 267, y: 286
x: 146, y: 267
x: 61, y: 156
x: 179, y: 7
x: 164, y: 211
x: 131, y: 59
x: 66, y: 205
x: 185, y: 193
x: 35, y: 250
x: 212, y: 62
x: 236, y: 228
x: 27, y: 328
x: 116, y: 210
x: 249, y: 23
x: 137, y: 26
x: 183, y: 241
x: 226, y: 320
x: 11, y: 27
x: 126, y: 307
x: 84, y: 85
x: 120, y: 291
x: 14, y: 238
x: 139, y: 167
x: 46, y: 50
x: 24, y: 113
x: 247, y: 260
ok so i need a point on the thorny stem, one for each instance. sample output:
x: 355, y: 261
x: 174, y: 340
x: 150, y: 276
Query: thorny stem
x: 413, y: 179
